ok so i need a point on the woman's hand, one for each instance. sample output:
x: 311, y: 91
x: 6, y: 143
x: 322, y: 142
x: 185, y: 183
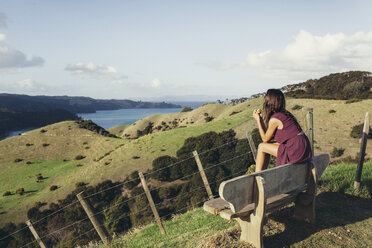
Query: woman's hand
x: 257, y: 114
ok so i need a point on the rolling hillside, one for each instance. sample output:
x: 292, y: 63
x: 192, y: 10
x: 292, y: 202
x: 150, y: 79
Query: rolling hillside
x: 53, y: 150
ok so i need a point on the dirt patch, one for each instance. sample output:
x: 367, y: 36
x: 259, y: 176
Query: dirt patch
x: 230, y: 239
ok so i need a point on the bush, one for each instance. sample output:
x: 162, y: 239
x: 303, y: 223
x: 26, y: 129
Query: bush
x: 39, y: 176
x: 357, y: 131
x: 186, y: 109
x: 235, y: 112
x: 161, y: 171
x: 17, y: 160
x: 337, y: 152
x: 53, y: 187
x: 45, y: 145
x: 208, y: 118
x: 146, y: 130
x: 28, y: 162
x: 79, y: 157
x: 80, y: 184
x: 29, y: 144
x: 43, y: 131
x: 79, y: 165
x: 136, y: 157
x: 331, y: 111
x: 352, y: 101
x: 6, y: 193
x: 20, y: 191
x: 297, y: 107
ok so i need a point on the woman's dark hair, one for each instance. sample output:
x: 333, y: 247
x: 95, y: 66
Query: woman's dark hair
x: 274, y: 102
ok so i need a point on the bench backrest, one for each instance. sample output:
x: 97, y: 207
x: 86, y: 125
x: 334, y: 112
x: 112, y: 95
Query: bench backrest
x: 279, y: 180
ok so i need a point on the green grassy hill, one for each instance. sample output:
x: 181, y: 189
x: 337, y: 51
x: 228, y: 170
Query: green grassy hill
x: 344, y: 219
x: 53, y: 151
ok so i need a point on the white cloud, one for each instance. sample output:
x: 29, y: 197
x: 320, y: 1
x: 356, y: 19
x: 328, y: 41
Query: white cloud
x: 11, y: 58
x: 97, y: 71
x: 155, y: 83
x: 25, y: 86
x: 310, y: 55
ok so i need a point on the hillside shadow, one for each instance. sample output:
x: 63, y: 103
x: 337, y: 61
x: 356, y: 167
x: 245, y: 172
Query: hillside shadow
x: 332, y: 210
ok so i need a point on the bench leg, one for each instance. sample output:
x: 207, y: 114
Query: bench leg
x: 305, y: 202
x: 252, y: 225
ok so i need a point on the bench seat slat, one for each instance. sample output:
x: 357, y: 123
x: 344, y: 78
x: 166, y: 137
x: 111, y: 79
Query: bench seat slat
x: 221, y: 207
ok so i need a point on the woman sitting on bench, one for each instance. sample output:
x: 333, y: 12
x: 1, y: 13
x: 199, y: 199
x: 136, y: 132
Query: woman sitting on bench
x: 292, y: 145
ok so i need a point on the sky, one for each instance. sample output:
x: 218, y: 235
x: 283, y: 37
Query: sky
x: 177, y: 49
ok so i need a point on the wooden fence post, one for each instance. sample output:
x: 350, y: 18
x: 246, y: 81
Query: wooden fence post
x: 202, y: 174
x: 33, y: 231
x: 252, y: 144
x: 310, y: 127
x: 101, y: 230
x: 152, y: 204
x: 362, y: 153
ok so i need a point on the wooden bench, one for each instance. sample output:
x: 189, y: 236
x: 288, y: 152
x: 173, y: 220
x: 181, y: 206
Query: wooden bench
x: 247, y: 198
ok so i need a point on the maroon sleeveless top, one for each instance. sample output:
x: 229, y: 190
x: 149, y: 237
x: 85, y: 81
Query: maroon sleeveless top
x: 294, y: 145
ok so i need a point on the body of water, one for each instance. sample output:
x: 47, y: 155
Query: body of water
x: 111, y: 118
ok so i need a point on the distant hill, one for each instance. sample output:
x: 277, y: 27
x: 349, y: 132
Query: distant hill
x: 10, y: 121
x: 25, y: 103
x: 337, y: 86
x: 23, y: 111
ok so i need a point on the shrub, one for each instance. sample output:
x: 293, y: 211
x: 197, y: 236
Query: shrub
x: 208, y: 118
x: 28, y: 162
x: 53, y: 187
x: 235, y: 112
x: 357, y: 131
x: 337, y: 152
x: 43, y: 131
x: 146, y: 130
x: 206, y: 114
x: 297, y: 107
x: 45, y: 145
x: 6, y: 193
x: 79, y: 157
x: 29, y: 144
x: 79, y: 165
x: 161, y: 171
x: 352, y: 101
x: 86, y: 148
x: 331, y: 111
x: 39, y: 204
x: 107, y: 163
x: 80, y: 184
x: 91, y: 126
x: 136, y: 157
x: 20, y: 191
x: 17, y: 160
x: 39, y: 176
x: 186, y: 109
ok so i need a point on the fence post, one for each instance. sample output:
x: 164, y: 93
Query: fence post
x: 152, y: 204
x: 310, y: 127
x: 101, y: 230
x: 202, y: 174
x: 251, y: 144
x: 32, y: 229
x: 362, y: 153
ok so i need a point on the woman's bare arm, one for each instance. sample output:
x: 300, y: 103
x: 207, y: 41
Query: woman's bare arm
x: 266, y: 134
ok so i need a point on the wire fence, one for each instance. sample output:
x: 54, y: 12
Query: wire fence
x: 119, y: 185
x: 131, y: 198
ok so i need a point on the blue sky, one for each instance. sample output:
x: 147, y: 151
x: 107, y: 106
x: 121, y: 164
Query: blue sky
x: 177, y: 50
